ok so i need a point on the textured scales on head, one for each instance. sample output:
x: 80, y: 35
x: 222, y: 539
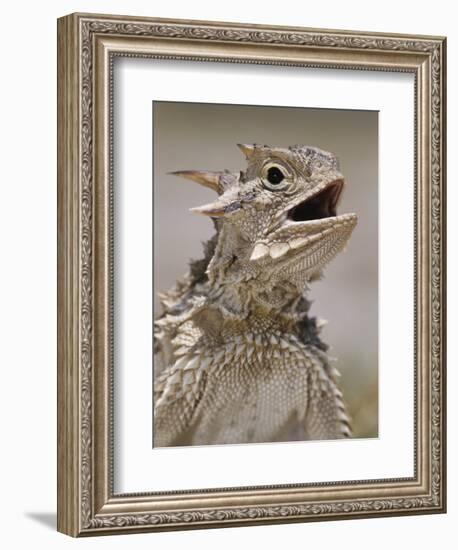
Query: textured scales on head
x: 241, y: 311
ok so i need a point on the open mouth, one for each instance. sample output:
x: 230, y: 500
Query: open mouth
x: 319, y: 206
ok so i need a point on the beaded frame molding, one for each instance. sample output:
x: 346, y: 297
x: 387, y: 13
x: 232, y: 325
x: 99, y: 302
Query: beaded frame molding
x: 87, y: 45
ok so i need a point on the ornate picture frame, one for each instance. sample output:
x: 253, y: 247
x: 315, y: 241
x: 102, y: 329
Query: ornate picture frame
x: 87, y: 46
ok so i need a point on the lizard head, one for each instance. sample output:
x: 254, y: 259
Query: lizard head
x: 277, y: 220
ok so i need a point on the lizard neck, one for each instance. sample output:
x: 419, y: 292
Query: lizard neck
x: 222, y: 304
x: 219, y: 325
x: 242, y: 288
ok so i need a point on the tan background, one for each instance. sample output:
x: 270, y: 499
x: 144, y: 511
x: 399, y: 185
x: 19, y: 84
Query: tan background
x: 204, y: 136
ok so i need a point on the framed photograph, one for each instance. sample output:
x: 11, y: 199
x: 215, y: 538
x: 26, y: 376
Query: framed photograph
x: 251, y: 289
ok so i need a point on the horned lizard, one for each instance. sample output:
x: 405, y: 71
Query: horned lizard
x: 238, y: 358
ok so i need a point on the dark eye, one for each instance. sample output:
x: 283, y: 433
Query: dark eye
x: 275, y: 175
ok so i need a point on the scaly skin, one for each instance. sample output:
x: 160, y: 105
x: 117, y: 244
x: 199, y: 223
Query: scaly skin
x: 238, y: 358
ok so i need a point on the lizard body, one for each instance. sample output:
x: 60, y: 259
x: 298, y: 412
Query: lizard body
x: 238, y: 359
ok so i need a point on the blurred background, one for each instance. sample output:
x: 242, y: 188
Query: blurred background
x: 204, y: 136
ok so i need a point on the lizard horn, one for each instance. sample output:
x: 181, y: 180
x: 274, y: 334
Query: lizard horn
x: 204, y: 177
x: 213, y: 210
x: 247, y: 150
x: 223, y: 206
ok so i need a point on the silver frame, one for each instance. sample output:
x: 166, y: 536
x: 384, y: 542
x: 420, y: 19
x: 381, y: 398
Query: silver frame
x: 87, y: 45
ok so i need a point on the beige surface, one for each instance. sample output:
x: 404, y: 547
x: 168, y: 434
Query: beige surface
x: 203, y: 136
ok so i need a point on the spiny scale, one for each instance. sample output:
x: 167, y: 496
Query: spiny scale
x: 264, y: 381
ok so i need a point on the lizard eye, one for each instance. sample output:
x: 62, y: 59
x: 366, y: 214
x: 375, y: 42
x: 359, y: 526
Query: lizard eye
x: 275, y: 177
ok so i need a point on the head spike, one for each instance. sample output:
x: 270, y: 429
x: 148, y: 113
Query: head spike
x: 204, y: 177
x: 224, y: 206
x: 247, y: 150
x: 213, y: 210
